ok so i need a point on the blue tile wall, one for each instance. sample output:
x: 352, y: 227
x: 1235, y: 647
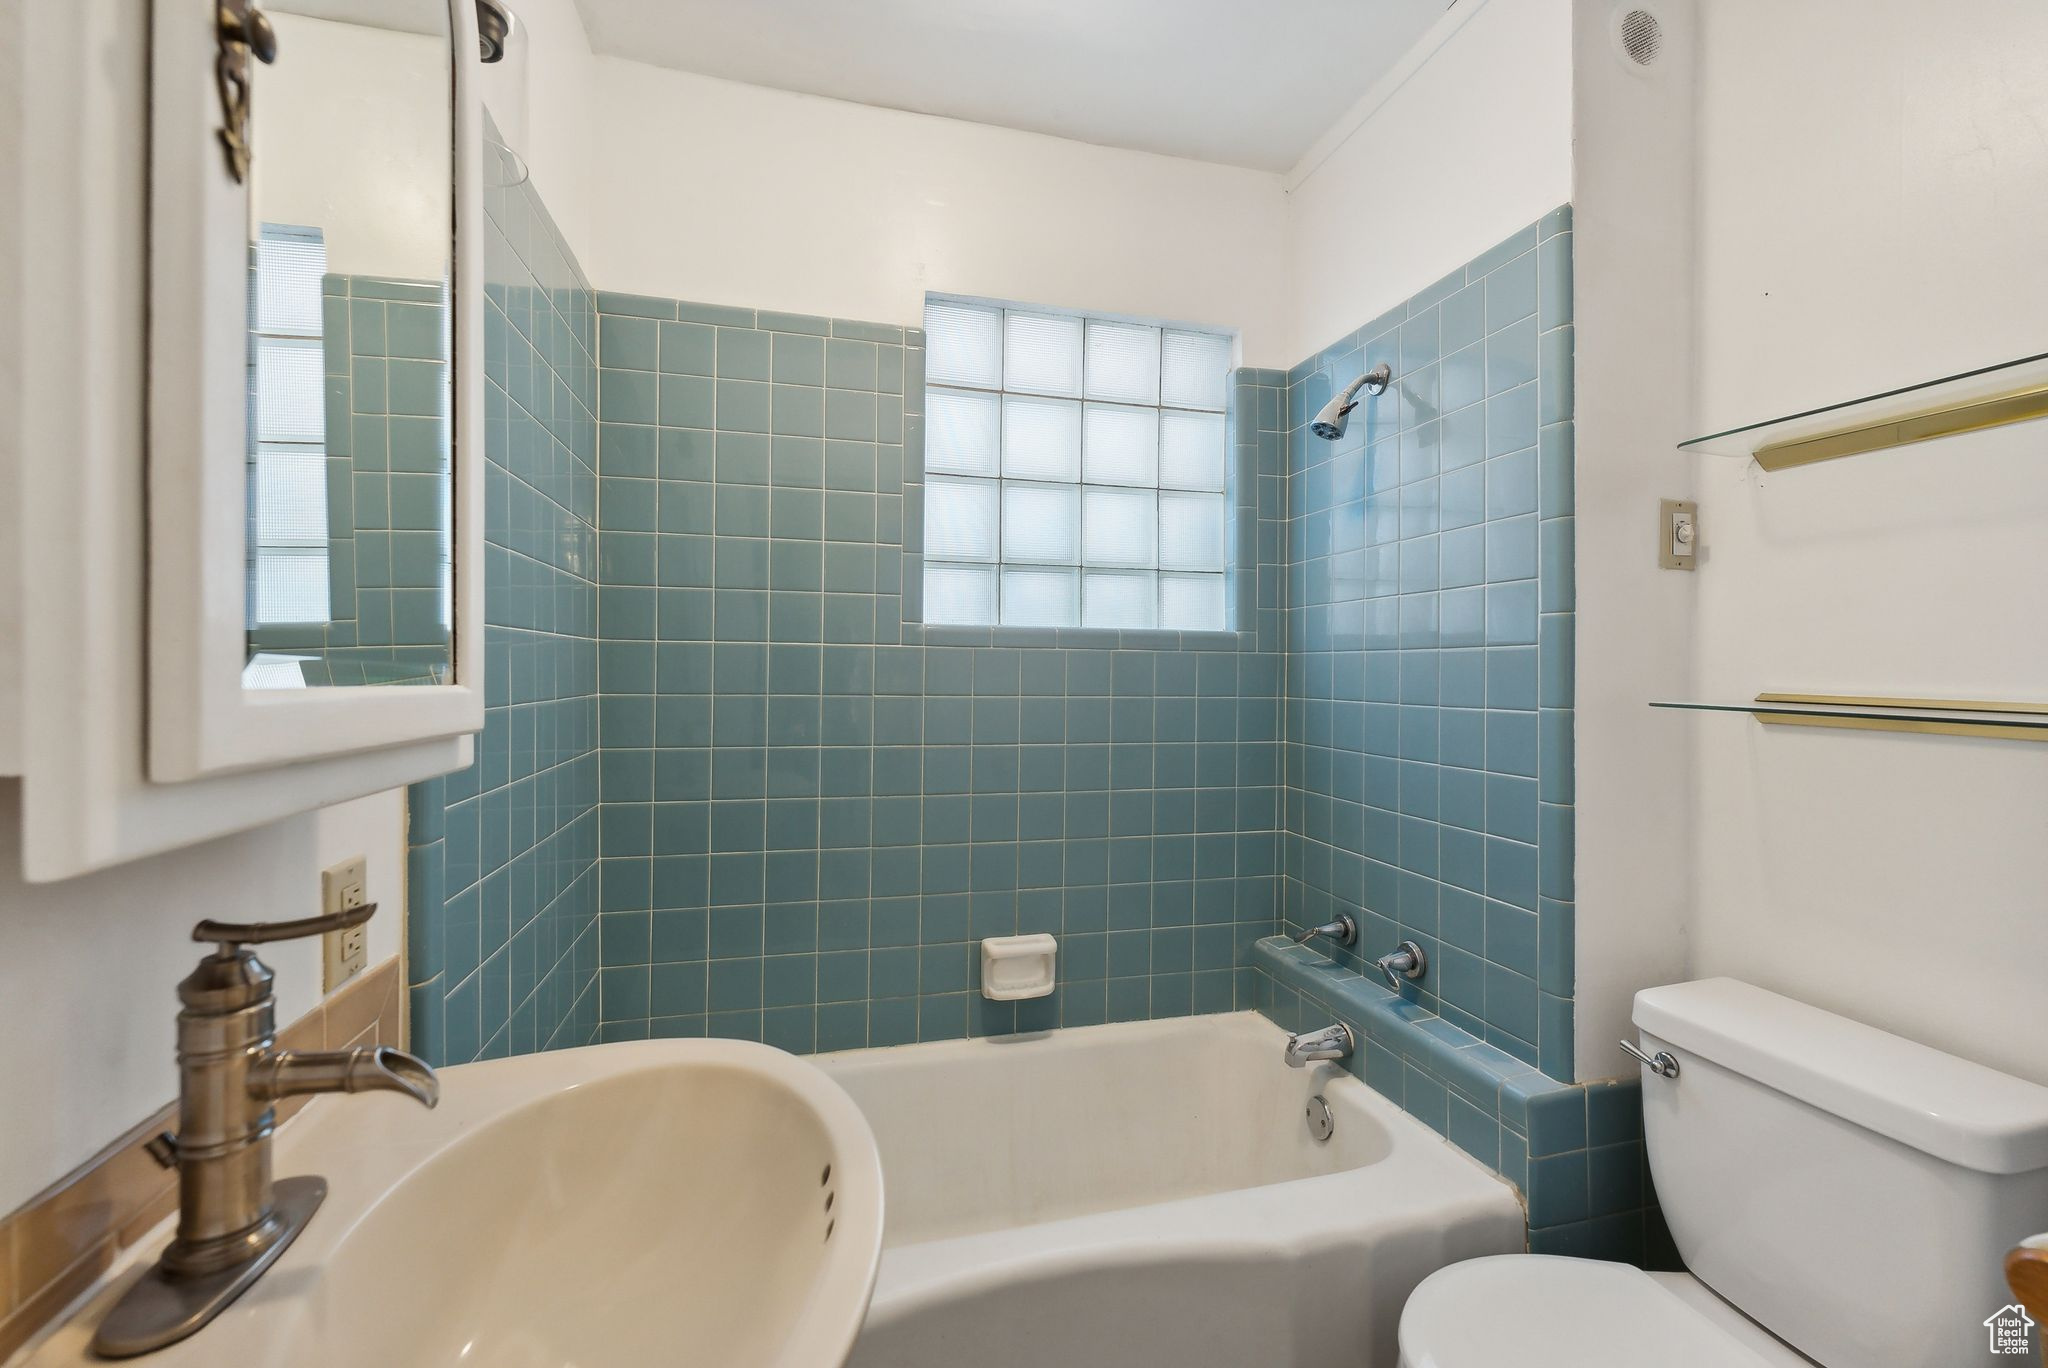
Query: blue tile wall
x: 1429, y: 645
x: 730, y: 785
x: 813, y: 807
x: 383, y: 340
x: 1429, y: 738
x: 386, y: 442
x: 502, y: 933
x: 1574, y: 1151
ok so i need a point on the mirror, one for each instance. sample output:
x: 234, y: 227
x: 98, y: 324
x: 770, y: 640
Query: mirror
x: 351, y: 418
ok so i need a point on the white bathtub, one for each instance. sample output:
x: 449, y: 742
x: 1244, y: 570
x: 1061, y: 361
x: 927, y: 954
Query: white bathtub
x: 1148, y: 1196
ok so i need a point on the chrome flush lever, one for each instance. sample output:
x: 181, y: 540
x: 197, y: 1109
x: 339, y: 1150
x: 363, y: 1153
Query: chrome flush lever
x: 1663, y: 1063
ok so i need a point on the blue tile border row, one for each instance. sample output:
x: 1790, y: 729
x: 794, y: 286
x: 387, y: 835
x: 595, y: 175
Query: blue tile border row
x: 1574, y: 1151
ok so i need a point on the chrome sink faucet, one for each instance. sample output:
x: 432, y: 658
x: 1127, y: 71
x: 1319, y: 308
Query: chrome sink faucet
x: 1332, y: 1042
x: 233, y: 1221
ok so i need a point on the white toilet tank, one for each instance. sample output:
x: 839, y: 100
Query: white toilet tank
x: 1853, y: 1192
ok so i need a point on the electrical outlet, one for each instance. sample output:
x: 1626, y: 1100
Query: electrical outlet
x: 344, y: 954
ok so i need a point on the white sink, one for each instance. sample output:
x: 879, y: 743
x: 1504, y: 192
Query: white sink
x: 673, y: 1203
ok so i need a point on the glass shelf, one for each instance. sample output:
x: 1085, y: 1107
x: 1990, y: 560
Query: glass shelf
x: 1947, y: 717
x: 1989, y: 396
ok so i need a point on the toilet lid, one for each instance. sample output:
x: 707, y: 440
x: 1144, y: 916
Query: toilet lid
x: 1542, y: 1311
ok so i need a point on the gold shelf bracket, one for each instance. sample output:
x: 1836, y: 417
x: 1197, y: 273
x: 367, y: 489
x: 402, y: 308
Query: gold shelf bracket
x: 1966, y: 717
x: 1997, y: 411
x: 2004, y: 392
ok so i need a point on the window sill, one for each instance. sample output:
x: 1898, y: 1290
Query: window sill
x: 1077, y: 638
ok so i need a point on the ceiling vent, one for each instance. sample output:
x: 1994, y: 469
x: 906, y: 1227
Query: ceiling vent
x: 1640, y: 36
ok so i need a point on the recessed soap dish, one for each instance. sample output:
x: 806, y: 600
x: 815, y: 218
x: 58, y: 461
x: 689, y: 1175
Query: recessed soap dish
x: 1017, y: 967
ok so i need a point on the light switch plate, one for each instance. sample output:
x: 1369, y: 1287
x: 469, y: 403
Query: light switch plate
x: 1678, y: 534
x: 343, y: 954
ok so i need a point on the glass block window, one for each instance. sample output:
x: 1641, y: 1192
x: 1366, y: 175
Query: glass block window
x: 1075, y: 470
x: 288, y: 580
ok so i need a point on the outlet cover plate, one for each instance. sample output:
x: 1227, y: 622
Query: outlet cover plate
x: 344, y: 954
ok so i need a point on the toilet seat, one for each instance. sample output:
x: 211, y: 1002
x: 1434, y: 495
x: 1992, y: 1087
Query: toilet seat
x: 1544, y: 1311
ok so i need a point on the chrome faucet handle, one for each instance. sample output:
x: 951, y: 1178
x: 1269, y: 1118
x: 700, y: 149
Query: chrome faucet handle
x: 228, y: 935
x: 1342, y: 930
x: 1405, y: 960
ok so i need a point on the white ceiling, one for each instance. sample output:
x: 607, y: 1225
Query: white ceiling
x: 1244, y: 82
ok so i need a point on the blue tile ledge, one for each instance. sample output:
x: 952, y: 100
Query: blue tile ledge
x: 1574, y: 1151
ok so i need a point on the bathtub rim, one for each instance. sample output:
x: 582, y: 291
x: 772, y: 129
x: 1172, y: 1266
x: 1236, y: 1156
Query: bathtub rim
x: 1423, y: 1182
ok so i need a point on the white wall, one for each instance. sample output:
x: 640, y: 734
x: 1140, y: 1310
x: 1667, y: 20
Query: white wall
x: 1874, y: 210
x: 670, y: 184
x: 89, y: 968
x: 540, y: 95
x: 733, y: 194
x: 352, y: 137
x: 1632, y: 219
x: 677, y: 185
x: 1452, y: 156
x: 14, y: 117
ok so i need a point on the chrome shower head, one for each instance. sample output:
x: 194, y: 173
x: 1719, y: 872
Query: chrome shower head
x: 1329, y: 424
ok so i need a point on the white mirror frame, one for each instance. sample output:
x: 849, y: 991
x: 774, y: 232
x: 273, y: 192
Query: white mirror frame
x: 201, y: 720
